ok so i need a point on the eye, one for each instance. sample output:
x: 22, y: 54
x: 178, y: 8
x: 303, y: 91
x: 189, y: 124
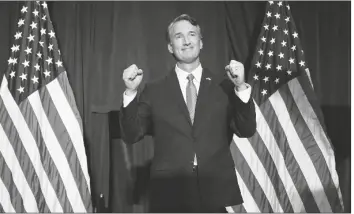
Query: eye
x: 193, y: 34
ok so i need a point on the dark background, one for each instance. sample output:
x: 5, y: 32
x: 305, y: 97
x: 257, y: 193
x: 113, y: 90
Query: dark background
x: 99, y: 39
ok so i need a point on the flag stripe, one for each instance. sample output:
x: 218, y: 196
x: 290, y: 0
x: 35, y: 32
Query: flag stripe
x: 25, y: 168
x: 253, y: 183
x: 300, y: 152
x: 56, y: 153
x: 266, y: 145
x: 15, y: 181
x: 30, y: 146
x: 63, y: 99
x: 46, y: 158
x: 325, y: 160
x: 9, y: 196
x: 1, y: 209
x: 293, y: 168
x: 259, y: 171
x: 267, y: 163
x: 312, y: 99
x: 249, y: 203
x: 66, y: 144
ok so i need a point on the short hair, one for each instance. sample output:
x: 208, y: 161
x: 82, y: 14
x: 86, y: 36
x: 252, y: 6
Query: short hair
x: 182, y: 17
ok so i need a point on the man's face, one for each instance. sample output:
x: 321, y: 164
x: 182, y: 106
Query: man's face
x: 185, y: 41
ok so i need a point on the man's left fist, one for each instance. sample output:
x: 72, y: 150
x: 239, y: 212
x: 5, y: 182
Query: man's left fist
x: 236, y: 73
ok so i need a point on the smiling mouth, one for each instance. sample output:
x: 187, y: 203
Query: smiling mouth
x: 189, y: 48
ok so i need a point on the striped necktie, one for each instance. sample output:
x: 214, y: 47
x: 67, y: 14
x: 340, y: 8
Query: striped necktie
x: 191, y: 96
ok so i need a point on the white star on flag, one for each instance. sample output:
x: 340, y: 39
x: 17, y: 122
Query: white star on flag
x: 281, y: 55
x: 24, y: 9
x: 25, y: 63
x: 21, y: 22
x: 279, y: 67
x: 28, y: 50
x: 23, y: 76
x: 36, y: 67
x: 33, y: 25
x: 15, y: 48
x: 21, y: 89
x: 59, y: 63
x: 49, y: 60
x: 18, y: 35
x: 35, y: 12
x: 42, y: 31
x: 34, y: 79
x: 266, y: 79
x: 52, y: 34
x: 12, y: 74
x: 44, y: 5
x: 270, y: 53
x: 30, y: 38
x: 46, y: 73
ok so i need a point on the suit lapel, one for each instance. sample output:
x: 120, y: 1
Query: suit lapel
x: 177, y: 96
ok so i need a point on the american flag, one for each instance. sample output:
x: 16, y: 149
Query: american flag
x: 43, y: 165
x: 289, y: 164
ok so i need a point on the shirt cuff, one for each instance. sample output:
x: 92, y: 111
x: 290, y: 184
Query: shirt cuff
x: 127, y: 99
x: 245, y: 94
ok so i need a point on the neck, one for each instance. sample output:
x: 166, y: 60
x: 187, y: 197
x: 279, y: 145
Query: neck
x: 188, y: 67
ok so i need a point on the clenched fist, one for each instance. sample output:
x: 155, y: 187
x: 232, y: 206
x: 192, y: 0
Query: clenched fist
x: 132, y: 77
x: 236, y: 73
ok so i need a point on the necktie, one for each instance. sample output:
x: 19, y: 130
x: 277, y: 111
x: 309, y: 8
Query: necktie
x: 191, y: 96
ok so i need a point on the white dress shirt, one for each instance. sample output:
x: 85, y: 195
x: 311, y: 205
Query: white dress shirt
x: 183, y: 81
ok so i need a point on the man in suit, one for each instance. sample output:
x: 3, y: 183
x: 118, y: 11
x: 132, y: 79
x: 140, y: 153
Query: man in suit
x: 192, y: 115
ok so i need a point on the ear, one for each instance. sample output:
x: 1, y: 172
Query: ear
x: 169, y: 47
x: 201, y: 44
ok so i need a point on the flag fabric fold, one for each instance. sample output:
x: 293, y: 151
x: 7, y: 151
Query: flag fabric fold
x: 42, y: 155
x: 289, y: 164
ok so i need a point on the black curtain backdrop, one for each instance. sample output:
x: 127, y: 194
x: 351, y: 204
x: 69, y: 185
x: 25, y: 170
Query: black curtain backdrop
x: 99, y: 39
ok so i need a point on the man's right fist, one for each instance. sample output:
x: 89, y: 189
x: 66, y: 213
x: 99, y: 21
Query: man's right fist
x: 132, y: 77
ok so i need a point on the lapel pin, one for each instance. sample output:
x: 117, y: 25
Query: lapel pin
x: 208, y: 78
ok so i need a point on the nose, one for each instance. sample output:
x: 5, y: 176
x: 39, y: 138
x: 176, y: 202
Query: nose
x: 186, y: 41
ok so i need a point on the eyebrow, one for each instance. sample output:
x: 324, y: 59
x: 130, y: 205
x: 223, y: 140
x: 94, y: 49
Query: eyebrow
x: 179, y: 33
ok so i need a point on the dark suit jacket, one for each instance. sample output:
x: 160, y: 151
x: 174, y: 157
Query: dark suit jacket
x: 160, y: 110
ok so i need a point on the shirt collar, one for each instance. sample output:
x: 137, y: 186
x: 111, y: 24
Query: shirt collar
x: 197, y: 73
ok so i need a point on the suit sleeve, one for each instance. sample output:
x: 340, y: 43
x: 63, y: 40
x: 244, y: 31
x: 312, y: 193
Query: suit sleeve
x: 135, y: 119
x: 243, y: 121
